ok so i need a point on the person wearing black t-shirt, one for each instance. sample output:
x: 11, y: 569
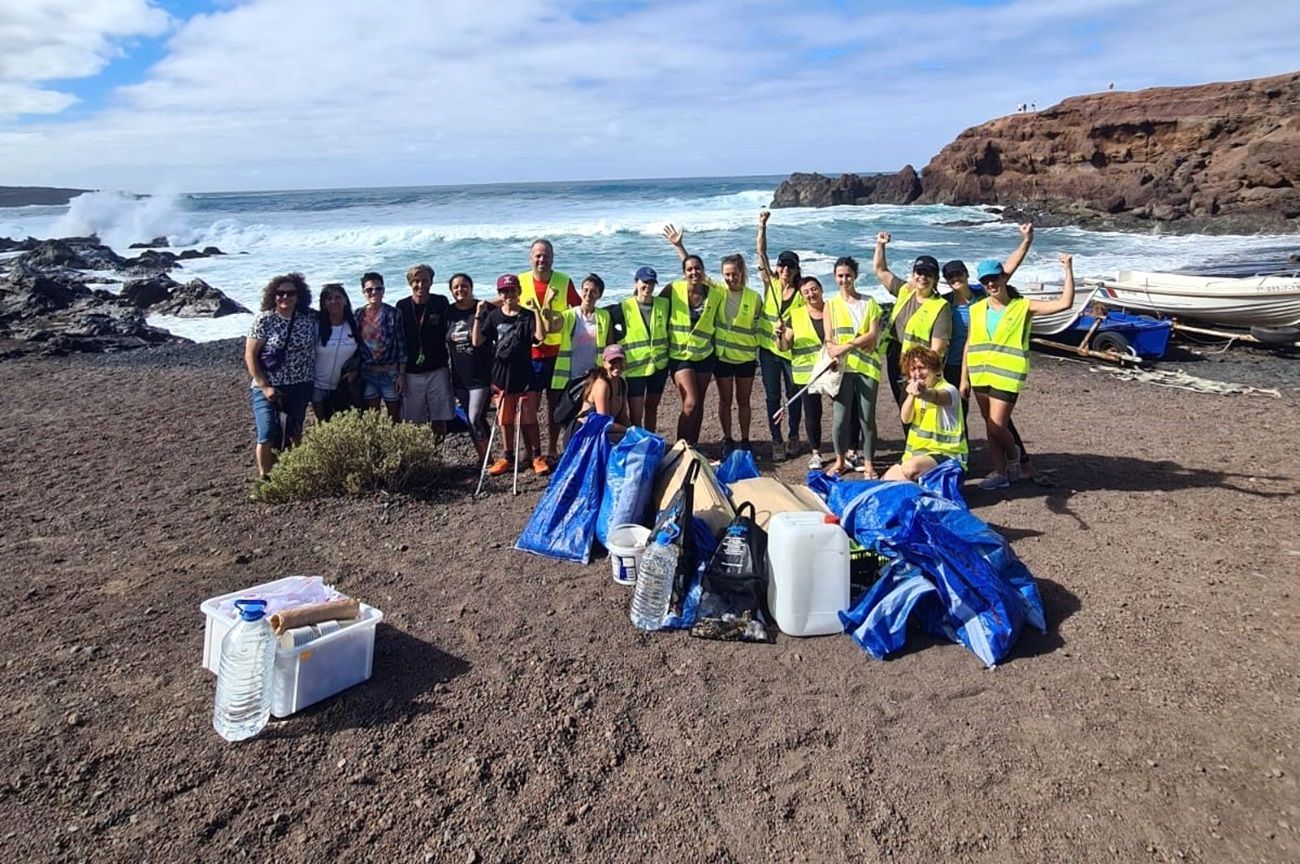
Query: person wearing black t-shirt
x: 427, y: 397
x: 471, y: 368
x: 511, y: 330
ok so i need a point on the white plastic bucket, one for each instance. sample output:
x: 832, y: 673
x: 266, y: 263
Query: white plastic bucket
x: 625, y: 545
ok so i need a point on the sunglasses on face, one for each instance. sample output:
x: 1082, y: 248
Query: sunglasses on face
x: 280, y: 295
x: 378, y: 290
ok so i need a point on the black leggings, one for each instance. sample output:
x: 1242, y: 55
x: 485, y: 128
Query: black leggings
x: 952, y: 374
x: 812, y: 419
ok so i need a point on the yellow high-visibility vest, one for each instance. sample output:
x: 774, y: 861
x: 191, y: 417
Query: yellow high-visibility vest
x: 564, y: 360
x: 807, y: 345
x: 646, y: 350
x: 999, y: 359
x: 921, y: 324
x: 842, y: 330
x: 736, y: 341
x: 771, y: 314
x: 530, y: 299
x: 687, y: 341
x: 926, y: 435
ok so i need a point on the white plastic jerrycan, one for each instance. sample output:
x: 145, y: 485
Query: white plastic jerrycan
x: 807, y: 573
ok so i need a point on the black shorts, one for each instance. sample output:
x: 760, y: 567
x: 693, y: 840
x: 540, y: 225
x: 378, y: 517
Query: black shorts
x: 653, y: 384
x: 543, y: 372
x: 701, y: 367
x: 995, y: 393
x: 743, y: 369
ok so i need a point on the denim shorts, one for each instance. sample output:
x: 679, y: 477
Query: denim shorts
x: 294, y: 399
x: 379, y: 384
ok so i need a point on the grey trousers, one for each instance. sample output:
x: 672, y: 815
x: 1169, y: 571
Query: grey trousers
x: 855, y: 408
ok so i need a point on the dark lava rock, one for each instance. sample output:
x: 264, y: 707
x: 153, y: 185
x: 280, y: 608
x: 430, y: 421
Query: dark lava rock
x: 151, y: 259
x: 150, y: 290
x: 155, y: 243
x: 816, y: 190
x: 197, y: 299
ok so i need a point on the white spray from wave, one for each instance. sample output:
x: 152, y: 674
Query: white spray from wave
x: 119, y: 219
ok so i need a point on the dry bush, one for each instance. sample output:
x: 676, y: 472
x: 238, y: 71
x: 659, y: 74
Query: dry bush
x: 355, y: 453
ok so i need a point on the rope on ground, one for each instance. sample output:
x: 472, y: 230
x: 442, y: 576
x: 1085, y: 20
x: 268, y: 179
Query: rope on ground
x: 1182, y: 381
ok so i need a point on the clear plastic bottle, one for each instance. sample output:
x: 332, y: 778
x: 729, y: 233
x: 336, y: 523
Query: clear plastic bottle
x: 243, y: 702
x: 654, y: 582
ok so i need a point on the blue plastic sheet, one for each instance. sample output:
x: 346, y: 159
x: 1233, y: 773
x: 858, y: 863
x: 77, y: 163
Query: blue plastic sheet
x: 945, y: 565
x: 563, y: 524
x: 629, y: 480
x: 738, y: 466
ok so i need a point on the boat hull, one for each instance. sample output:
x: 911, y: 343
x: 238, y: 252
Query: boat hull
x: 1259, y: 301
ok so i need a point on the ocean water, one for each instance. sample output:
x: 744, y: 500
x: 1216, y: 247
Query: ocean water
x: 605, y: 227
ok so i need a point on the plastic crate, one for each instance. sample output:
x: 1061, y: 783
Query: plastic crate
x: 309, y: 673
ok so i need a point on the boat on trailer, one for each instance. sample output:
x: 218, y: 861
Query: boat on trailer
x: 1261, y: 302
x: 1090, y: 329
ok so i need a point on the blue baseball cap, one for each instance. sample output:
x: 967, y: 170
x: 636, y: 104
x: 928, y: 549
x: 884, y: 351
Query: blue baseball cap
x: 989, y: 267
x: 646, y: 274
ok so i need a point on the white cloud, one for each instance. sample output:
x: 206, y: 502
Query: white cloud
x: 274, y: 93
x: 47, y: 40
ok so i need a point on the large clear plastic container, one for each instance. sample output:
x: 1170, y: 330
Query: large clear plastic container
x: 243, y: 701
x: 808, y: 573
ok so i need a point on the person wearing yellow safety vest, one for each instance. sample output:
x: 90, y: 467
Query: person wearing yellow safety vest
x: 543, y: 287
x: 804, y: 339
x: 644, y: 337
x: 780, y: 296
x: 854, y: 343
x: 933, y: 415
x: 693, y: 304
x: 920, y: 315
x: 735, y: 344
x: 996, y: 364
x: 584, y: 333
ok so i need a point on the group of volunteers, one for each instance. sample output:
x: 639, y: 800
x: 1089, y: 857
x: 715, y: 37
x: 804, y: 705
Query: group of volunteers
x: 543, y: 338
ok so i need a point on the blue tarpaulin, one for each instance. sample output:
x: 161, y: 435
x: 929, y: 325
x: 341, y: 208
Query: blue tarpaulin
x: 563, y: 524
x: 739, y: 465
x: 944, y: 564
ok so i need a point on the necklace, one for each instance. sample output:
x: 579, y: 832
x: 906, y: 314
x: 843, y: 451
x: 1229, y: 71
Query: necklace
x: 419, y: 330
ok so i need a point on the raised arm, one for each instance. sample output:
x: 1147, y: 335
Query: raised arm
x: 764, y: 266
x: 881, y: 267
x: 476, y: 333
x: 1012, y: 264
x: 1066, y: 300
x: 674, y: 237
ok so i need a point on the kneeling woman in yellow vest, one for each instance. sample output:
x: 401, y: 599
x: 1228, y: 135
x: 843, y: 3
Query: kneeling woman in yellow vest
x: 996, y: 363
x: 854, y: 341
x: 931, y: 413
x: 584, y: 333
x: 693, y: 304
x: 645, y: 342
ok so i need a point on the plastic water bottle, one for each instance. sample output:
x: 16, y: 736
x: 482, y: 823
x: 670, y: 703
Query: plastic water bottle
x: 243, y: 703
x: 654, y: 582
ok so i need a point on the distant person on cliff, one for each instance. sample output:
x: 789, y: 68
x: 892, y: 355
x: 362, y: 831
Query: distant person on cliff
x: 644, y: 337
x: 546, y: 288
x: 471, y: 367
x: 933, y: 415
x: 384, y: 363
x: 512, y: 331
x: 996, y: 363
x: 280, y: 356
x: 338, y: 356
x: 693, y: 304
x: 780, y: 296
x: 919, y: 317
x: 427, y: 396
x: 735, y: 344
x: 961, y: 296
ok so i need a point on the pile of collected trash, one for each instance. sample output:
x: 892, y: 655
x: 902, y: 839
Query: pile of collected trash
x: 729, y: 554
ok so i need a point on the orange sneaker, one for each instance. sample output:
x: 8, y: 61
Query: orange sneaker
x: 499, y: 467
x: 541, y: 467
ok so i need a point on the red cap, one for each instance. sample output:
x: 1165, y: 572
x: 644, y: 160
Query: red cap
x: 509, y: 280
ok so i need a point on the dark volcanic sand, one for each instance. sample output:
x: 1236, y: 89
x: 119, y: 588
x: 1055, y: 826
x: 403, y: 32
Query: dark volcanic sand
x: 515, y: 714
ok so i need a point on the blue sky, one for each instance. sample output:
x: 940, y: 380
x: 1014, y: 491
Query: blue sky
x: 237, y: 94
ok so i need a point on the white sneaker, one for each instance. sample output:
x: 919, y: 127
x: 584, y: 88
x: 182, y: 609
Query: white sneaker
x: 1013, y: 465
x: 815, y: 461
x: 854, y: 461
x: 778, y: 451
x: 994, y: 481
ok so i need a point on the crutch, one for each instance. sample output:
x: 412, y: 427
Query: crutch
x: 519, y: 420
x: 780, y: 412
x: 487, y: 454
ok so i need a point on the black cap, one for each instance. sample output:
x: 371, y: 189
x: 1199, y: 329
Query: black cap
x: 926, y: 264
x: 788, y: 259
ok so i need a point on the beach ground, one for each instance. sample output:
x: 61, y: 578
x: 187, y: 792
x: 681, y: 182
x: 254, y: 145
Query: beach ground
x: 515, y: 714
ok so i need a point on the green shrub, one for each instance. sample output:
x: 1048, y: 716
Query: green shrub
x: 354, y: 453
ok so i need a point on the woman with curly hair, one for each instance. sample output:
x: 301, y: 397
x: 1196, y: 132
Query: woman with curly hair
x: 280, y: 355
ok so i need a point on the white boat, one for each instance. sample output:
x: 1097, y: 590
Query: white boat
x: 1253, y: 301
x: 1057, y: 322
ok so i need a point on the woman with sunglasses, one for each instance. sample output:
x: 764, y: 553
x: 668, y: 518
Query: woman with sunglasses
x: 919, y: 317
x: 280, y: 356
x: 780, y: 296
x: 383, y: 368
x: 996, y: 364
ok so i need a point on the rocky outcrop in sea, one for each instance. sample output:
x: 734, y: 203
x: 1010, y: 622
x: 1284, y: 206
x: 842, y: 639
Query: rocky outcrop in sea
x: 1216, y: 158
x: 52, y: 302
